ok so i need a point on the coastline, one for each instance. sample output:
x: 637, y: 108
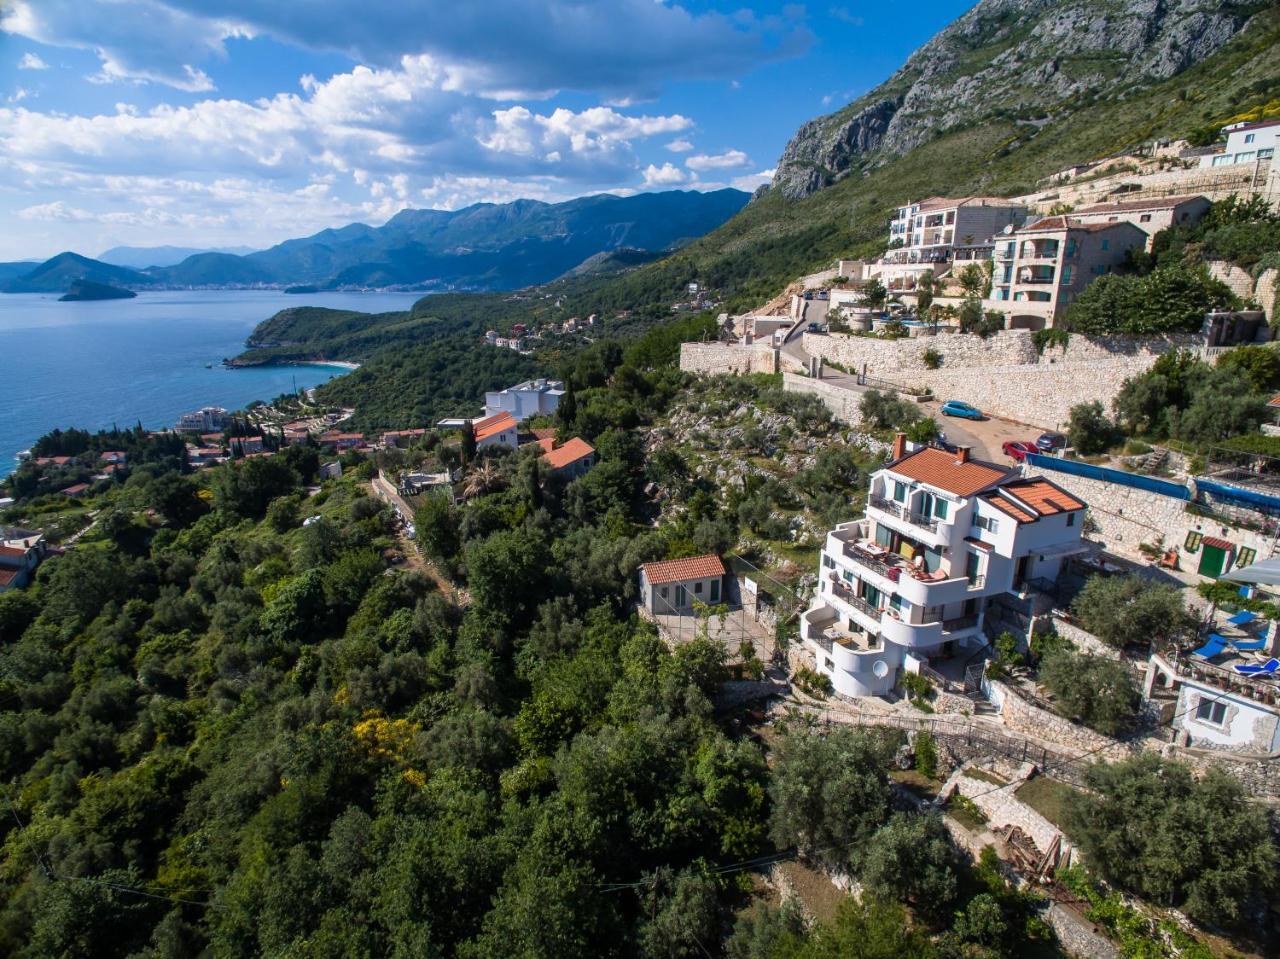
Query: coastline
x: 239, y: 364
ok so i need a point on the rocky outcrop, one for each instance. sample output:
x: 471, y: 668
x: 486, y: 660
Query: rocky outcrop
x: 1028, y: 61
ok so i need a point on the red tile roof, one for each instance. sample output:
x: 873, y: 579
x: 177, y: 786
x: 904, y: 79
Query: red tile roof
x: 493, y: 425
x: 1042, y: 497
x: 1054, y: 224
x: 1217, y: 543
x: 12, y: 551
x: 1151, y: 203
x: 1274, y: 401
x: 943, y: 470
x: 75, y: 490
x: 680, y: 570
x: 7, y: 576
x: 1002, y: 504
x: 572, y: 451
x: 543, y: 433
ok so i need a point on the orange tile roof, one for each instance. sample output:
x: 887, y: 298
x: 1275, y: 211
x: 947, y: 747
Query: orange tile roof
x: 1274, y: 401
x: 1056, y: 223
x: 1042, y: 497
x: 544, y: 433
x: 7, y: 576
x: 568, y: 454
x: 941, y: 469
x: 12, y: 551
x: 493, y: 425
x: 679, y: 570
x: 1022, y: 516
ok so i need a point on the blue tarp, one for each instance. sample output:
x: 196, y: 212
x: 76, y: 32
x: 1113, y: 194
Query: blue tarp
x: 1107, y: 475
x: 1239, y: 495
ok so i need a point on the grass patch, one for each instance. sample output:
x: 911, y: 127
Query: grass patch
x: 916, y: 783
x: 1048, y: 797
x: 983, y: 775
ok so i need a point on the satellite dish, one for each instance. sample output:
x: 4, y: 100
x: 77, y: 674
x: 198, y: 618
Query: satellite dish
x: 881, y: 669
x: 1008, y: 229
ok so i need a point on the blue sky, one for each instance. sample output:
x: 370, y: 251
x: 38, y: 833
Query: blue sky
x: 242, y: 122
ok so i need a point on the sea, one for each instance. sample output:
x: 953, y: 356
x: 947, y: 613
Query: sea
x: 149, y: 359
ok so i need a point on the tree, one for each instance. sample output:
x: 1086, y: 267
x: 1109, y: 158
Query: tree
x: 468, y: 445
x: 1153, y: 828
x: 883, y: 410
x: 436, y: 527
x: 683, y: 914
x: 245, y: 487
x: 912, y: 860
x: 973, y: 281
x: 1088, y: 429
x: 483, y: 478
x: 1094, y: 690
x: 1257, y: 365
x: 1145, y: 402
x: 1169, y: 299
x: 873, y: 294
x: 1130, y: 611
x: 926, y: 288
x: 831, y: 793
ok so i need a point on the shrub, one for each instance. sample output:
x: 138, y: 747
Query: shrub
x: 926, y: 755
x: 932, y: 358
x: 1130, y: 611
x: 1089, y: 431
x: 813, y: 682
x: 884, y: 410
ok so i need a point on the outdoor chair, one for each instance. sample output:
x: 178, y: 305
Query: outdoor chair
x: 1246, y: 645
x: 1213, y: 647
x: 1266, y: 669
x: 1242, y: 618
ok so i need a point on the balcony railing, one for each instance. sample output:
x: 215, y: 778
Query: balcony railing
x: 853, y: 599
x: 959, y: 622
x: 868, y: 562
x: 1046, y: 280
x: 897, y: 510
x: 978, y: 581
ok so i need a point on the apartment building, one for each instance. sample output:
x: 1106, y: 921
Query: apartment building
x: 539, y: 397
x: 1150, y: 216
x: 908, y: 585
x: 1040, y: 269
x: 927, y: 235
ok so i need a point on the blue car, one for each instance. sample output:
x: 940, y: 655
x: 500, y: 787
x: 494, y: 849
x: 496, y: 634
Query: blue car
x: 961, y: 409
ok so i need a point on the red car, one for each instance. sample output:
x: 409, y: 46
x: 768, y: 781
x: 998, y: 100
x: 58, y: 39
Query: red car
x: 1017, y: 450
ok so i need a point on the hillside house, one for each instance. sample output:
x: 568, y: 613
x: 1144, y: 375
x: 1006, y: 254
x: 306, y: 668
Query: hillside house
x: 21, y: 551
x: 1214, y: 707
x: 910, y: 582
x: 569, y: 460
x: 924, y: 236
x: 540, y: 397
x: 1246, y: 143
x: 340, y: 442
x: 1150, y: 215
x: 674, y: 585
x: 1041, y: 268
x: 500, y: 429
x: 208, y: 419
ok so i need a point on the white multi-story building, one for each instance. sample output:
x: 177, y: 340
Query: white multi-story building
x: 210, y: 419
x: 1246, y: 143
x: 931, y: 234
x: 539, y: 397
x: 910, y: 582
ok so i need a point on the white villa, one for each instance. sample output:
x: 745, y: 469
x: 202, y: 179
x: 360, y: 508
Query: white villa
x: 1246, y: 143
x: 1216, y: 708
x: 932, y: 234
x: 209, y: 419
x: 538, y: 397
x: 910, y: 582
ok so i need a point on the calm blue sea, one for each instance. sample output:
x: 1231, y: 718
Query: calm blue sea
x: 120, y: 361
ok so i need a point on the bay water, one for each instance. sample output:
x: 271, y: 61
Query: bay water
x: 149, y: 359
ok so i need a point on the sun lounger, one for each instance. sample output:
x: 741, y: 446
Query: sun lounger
x: 1242, y: 618
x: 1213, y: 647
x: 1266, y: 669
x: 1245, y: 645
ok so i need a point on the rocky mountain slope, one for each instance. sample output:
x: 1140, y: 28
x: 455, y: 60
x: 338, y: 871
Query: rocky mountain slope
x: 58, y: 273
x: 1025, y: 61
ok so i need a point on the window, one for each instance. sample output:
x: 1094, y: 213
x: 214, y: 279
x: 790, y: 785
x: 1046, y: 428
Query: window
x: 715, y: 591
x: 1066, y: 275
x: 828, y: 562
x: 1248, y: 137
x: 1106, y: 244
x: 899, y: 492
x: 1192, y: 542
x: 989, y: 523
x: 697, y: 587
x: 828, y: 665
x: 662, y: 591
x: 1266, y: 153
x: 1246, y: 556
x: 1145, y: 218
x: 940, y: 507
x: 1071, y: 519
x: 1212, y: 711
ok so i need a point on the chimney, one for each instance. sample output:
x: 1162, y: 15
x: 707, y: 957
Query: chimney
x: 962, y: 455
x: 899, y: 446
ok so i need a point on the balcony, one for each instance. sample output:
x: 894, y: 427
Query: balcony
x: 916, y: 635
x: 897, y: 511
x: 844, y: 593
x: 1034, y: 279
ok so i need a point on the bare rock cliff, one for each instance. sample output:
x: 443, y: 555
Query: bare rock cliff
x: 1021, y: 60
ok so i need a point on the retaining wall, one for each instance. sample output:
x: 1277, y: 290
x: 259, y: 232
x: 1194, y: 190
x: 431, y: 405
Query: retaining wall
x: 843, y: 403
x: 728, y: 358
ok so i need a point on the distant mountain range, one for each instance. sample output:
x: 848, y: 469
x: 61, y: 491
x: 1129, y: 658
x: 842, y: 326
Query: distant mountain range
x: 141, y: 257
x: 482, y: 247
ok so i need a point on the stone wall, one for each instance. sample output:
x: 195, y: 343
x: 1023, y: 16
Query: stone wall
x: 728, y: 358
x: 1029, y: 719
x: 843, y: 403
x: 1083, y: 641
x: 1239, y: 280
x: 1003, y: 374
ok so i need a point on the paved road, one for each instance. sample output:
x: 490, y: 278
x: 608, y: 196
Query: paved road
x: 984, y: 437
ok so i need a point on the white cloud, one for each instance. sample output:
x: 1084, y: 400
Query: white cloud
x: 664, y: 176
x: 750, y: 182
x: 30, y: 61
x: 680, y: 145
x: 57, y: 210
x: 722, y: 161
x: 624, y: 50
x: 19, y: 94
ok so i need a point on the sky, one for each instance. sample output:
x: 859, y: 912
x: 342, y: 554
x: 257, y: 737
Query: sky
x: 212, y: 123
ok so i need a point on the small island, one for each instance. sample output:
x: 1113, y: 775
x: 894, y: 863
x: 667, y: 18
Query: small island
x: 88, y: 290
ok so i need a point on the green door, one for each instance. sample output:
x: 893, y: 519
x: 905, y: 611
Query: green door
x: 1212, y: 559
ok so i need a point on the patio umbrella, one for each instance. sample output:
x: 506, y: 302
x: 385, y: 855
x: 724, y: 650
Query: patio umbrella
x: 1264, y: 573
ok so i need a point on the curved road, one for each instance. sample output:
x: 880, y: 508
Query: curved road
x: 985, y: 437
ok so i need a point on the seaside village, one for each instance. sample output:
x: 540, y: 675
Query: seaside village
x: 991, y: 543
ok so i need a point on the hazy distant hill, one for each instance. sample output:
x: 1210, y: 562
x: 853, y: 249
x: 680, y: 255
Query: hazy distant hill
x: 56, y: 275
x: 11, y: 271
x: 485, y: 247
x: 141, y: 257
